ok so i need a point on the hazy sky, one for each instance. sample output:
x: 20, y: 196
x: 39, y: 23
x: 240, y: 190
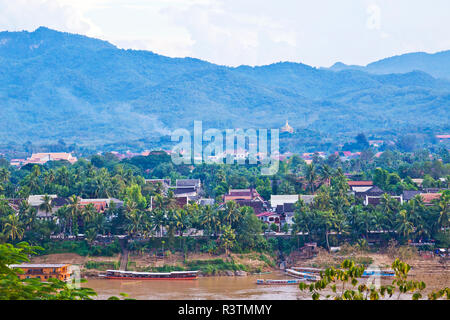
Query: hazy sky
x: 254, y: 32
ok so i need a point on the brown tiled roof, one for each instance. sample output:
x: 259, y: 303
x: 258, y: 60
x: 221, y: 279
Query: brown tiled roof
x: 429, y: 197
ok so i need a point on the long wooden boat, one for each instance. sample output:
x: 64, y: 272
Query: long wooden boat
x: 302, y: 275
x: 132, y: 275
x: 308, y: 270
x: 378, y: 273
x: 278, y: 282
x: 366, y: 274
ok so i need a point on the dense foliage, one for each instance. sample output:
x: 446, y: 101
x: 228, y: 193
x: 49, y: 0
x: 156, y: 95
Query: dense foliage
x: 333, y: 217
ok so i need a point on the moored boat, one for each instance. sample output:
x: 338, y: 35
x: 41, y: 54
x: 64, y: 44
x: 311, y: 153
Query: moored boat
x: 302, y: 275
x: 278, y: 282
x: 366, y: 274
x: 308, y: 270
x: 378, y: 273
x: 132, y: 275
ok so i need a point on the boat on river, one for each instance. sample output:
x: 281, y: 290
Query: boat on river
x: 308, y: 270
x: 278, y: 282
x: 366, y: 274
x: 302, y: 275
x: 132, y: 275
x: 378, y: 273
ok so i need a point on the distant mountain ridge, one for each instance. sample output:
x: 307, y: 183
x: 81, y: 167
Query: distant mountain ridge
x: 435, y: 64
x: 58, y: 85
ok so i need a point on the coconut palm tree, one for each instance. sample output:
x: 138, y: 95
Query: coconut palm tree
x: 158, y: 202
x: 74, y: 210
x: 27, y: 214
x: 89, y: 212
x: 311, y: 176
x: 63, y: 176
x: 46, y: 204
x: 13, y: 227
x: 49, y: 178
x: 32, y: 181
x: 231, y: 212
x: 158, y: 220
x: 4, y: 175
x: 444, y: 210
x: 326, y: 173
x: 135, y: 223
x: 404, y: 226
x: 182, y: 221
x: 210, y: 219
x: 63, y: 218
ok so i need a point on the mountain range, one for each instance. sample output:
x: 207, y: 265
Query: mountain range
x: 56, y: 85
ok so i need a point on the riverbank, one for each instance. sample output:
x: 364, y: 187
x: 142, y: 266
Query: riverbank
x: 209, y: 265
x: 434, y: 271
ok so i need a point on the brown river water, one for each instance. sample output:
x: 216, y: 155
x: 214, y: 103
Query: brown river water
x: 225, y: 288
x: 204, y: 288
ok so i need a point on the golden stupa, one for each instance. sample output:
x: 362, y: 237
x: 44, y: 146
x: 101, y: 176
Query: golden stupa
x: 287, y: 128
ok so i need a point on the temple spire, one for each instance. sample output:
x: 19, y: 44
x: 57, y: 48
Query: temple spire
x: 287, y: 128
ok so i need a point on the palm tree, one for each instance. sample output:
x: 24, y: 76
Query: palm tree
x: 171, y: 223
x: 417, y: 212
x: 326, y: 173
x: 158, y: 220
x: 46, y: 204
x: 4, y: 175
x: 63, y: 218
x: 404, y: 226
x: 389, y: 206
x: 91, y: 235
x: 27, y: 214
x: 210, y: 219
x: 231, y: 212
x: 89, y: 212
x: 182, y: 221
x: 74, y: 210
x: 49, y: 178
x: 32, y: 182
x: 444, y: 210
x: 13, y: 227
x: 63, y: 176
x: 158, y: 202
x: 311, y: 176
x: 227, y: 238
x: 147, y: 224
x: 134, y: 225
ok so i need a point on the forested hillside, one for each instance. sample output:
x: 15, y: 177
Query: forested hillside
x: 57, y: 85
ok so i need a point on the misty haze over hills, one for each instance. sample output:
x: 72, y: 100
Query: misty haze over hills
x: 437, y: 64
x: 57, y: 85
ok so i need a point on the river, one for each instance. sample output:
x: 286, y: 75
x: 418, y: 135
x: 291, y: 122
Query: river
x: 204, y: 288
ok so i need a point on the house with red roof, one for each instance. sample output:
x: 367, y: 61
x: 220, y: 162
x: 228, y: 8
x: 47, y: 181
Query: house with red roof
x: 101, y: 204
x: 242, y: 194
x: 428, y: 198
x: 270, y: 218
x: 360, y: 186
